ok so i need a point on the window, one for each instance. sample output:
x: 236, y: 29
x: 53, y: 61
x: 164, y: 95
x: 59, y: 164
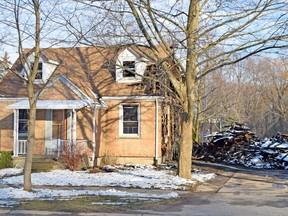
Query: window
x: 23, y: 122
x: 129, y: 69
x: 39, y: 74
x: 129, y: 123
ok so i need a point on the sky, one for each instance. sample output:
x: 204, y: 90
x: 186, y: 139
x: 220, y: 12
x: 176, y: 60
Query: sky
x: 64, y: 22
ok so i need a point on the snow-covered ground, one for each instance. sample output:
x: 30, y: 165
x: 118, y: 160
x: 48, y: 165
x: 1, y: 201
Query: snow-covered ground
x: 145, y: 177
x: 10, y: 172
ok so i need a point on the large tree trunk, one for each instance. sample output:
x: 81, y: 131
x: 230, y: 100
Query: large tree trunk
x: 186, y: 144
x: 188, y: 93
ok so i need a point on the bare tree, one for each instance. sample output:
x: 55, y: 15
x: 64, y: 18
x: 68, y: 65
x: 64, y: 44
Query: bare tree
x: 238, y: 28
x: 272, y: 85
x: 200, y: 37
x: 33, y: 9
x: 25, y: 21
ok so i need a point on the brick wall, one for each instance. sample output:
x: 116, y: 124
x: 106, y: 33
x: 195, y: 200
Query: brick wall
x: 113, y: 144
x: 6, y: 127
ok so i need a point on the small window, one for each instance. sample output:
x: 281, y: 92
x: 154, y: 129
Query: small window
x: 129, y: 69
x: 39, y: 74
x: 23, y: 122
x: 130, y: 120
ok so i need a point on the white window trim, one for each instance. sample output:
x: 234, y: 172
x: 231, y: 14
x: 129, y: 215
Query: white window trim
x: 121, y: 134
x: 22, y: 120
x: 120, y: 70
x: 38, y: 81
x: 140, y: 66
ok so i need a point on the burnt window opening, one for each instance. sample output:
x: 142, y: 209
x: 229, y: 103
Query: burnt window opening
x: 39, y: 74
x: 129, y: 69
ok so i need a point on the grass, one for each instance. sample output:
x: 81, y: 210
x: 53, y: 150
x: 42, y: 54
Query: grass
x: 88, y: 204
x: 80, y: 204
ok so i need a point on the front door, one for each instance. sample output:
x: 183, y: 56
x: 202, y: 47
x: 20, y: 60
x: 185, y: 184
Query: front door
x: 55, y: 120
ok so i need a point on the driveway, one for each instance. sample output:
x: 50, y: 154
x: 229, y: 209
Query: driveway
x: 235, y: 191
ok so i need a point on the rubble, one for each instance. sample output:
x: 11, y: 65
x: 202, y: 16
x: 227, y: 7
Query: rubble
x: 238, y: 145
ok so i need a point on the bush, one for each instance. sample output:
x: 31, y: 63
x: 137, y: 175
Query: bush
x: 6, y: 160
x: 73, y: 157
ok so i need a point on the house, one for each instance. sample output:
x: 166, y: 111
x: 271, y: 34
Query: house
x: 91, y: 97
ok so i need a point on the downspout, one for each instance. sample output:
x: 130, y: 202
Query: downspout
x: 94, y: 135
x: 156, y: 132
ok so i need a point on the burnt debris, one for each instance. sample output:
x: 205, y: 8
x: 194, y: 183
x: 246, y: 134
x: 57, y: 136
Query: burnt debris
x: 238, y: 145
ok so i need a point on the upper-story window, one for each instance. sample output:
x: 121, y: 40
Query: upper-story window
x: 129, y: 69
x: 39, y: 74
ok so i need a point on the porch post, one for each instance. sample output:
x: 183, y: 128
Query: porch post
x: 48, y: 129
x: 69, y: 127
x: 94, y: 135
x: 74, y: 118
x: 15, y: 132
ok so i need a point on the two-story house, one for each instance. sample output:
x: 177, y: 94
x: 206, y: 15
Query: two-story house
x: 89, y: 96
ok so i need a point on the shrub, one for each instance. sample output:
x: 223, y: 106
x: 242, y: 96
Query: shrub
x: 73, y: 157
x: 6, y: 160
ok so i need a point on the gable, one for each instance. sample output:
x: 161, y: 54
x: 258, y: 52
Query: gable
x: 48, y: 66
x: 59, y: 91
x: 60, y: 88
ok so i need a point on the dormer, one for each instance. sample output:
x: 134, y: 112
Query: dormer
x: 130, y: 67
x: 45, y: 68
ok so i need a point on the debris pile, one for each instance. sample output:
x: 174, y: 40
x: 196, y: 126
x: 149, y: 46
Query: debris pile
x: 238, y: 145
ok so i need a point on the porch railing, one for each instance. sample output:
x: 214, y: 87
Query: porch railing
x: 61, y: 145
x: 67, y: 146
x: 22, y: 147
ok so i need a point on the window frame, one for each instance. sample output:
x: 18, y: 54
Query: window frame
x: 127, y: 70
x: 39, y: 71
x: 23, y: 121
x: 121, y: 121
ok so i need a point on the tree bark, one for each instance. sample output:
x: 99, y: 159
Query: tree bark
x: 186, y: 144
x: 32, y: 102
x: 30, y: 144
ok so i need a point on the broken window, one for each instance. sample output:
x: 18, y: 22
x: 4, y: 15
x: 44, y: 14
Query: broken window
x: 129, y: 69
x: 39, y: 74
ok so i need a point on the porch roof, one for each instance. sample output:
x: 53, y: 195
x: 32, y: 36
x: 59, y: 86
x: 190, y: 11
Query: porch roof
x: 51, y: 104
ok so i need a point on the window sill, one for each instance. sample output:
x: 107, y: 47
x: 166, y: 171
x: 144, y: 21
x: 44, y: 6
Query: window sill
x: 123, y: 80
x: 39, y: 81
x: 129, y: 136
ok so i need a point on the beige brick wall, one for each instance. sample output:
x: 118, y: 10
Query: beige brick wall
x: 108, y: 141
x: 112, y: 144
x: 39, y: 146
x: 6, y: 127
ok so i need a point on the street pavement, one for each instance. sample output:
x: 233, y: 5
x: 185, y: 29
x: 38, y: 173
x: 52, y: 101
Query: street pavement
x: 235, y: 191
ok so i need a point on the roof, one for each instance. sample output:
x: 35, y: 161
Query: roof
x: 51, y: 104
x: 90, y: 69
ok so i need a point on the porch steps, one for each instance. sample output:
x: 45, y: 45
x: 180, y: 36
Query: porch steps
x: 40, y: 163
